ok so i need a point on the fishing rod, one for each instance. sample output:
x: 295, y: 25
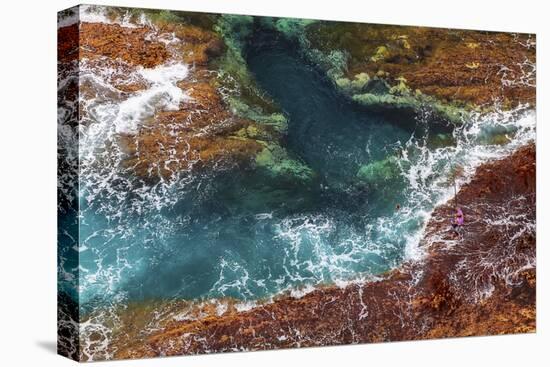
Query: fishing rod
x: 454, y: 183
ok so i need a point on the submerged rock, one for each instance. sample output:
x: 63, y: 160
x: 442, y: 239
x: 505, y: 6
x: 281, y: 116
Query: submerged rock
x: 402, y: 99
x: 440, y: 140
x: 275, y: 120
x: 379, y: 172
x: 499, y: 139
x: 281, y: 167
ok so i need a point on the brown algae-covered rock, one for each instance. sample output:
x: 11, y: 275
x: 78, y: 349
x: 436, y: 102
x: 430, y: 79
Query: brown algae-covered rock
x: 205, y: 130
x: 471, y: 68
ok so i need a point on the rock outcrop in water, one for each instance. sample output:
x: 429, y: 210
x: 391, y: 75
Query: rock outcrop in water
x: 200, y: 130
x: 446, y: 71
x: 223, y: 120
x: 480, y: 284
x: 116, y: 42
x: 227, y: 119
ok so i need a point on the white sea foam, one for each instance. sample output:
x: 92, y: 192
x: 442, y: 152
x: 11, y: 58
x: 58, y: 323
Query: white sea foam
x: 245, y: 306
x: 163, y: 94
x: 428, y: 171
x: 302, y: 291
x: 99, y: 14
x: 114, y: 196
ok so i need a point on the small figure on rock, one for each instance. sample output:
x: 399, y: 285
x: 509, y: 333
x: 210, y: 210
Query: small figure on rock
x: 457, y: 222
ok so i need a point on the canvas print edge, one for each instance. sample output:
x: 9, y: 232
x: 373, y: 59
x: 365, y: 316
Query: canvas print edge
x: 480, y: 287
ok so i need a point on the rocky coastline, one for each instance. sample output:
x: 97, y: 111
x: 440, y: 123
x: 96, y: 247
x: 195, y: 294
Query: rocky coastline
x: 480, y: 284
x: 445, y: 73
x: 448, y: 73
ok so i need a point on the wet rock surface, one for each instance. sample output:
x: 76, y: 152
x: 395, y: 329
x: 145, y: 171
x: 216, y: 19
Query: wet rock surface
x: 482, y: 283
x: 455, y: 66
x: 202, y: 132
x: 115, y: 41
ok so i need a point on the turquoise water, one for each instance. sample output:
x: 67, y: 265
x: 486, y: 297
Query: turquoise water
x: 243, y: 234
x: 332, y: 135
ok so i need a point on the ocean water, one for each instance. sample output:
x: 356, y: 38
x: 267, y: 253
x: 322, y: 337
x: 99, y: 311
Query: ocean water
x: 240, y: 234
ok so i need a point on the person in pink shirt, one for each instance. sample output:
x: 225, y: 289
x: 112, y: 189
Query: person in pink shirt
x: 458, y: 221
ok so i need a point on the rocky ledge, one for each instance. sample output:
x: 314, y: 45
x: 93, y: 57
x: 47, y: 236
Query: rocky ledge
x: 228, y: 120
x: 447, y: 71
x: 480, y: 284
x: 224, y: 120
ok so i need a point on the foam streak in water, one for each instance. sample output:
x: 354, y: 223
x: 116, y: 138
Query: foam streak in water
x: 163, y: 94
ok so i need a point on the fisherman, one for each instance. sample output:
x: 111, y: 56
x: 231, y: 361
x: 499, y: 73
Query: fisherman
x: 457, y: 222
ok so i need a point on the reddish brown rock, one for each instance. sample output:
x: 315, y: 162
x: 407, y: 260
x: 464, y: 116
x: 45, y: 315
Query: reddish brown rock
x: 197, y: 45
x: 202, y: 133
x: 117, y: 42
x: 67, y: 43
x: 453, y: 65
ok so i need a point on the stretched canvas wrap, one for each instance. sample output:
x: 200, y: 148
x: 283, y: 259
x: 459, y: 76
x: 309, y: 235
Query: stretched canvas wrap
x: 239, y: 183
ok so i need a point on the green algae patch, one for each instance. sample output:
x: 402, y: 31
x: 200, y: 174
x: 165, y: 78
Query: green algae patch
x: 440, y: 141
x: 360, y: 81
x: 379, y: 172
x: 162, y: 17
x: 357, y: 85
x: 293, y: 27
x: 262, y: 133
x: 415, y: 102
x: 279, y: 165
x: 334, y: 63
x: 376, y: 93
x: 235, y: 29
x: 276, y: 120
x: 380, y: 54
x: 247, y: 100
x: 499, y: 139
x: 386, y: 101
x: 235, y: 81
